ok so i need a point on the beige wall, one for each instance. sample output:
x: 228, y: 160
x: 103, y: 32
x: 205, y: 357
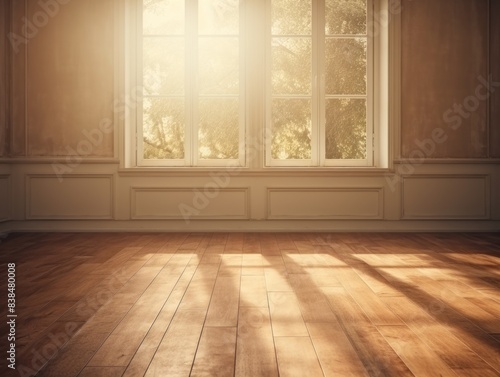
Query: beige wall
x: 66, y: 84
x: 445, y: 51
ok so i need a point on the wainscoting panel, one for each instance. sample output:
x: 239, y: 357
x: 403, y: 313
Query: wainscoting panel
x: 446, y: 197
x: 189, y: 203
x: 76, y: 196
x: 5, y: 197
x: 325, y: 203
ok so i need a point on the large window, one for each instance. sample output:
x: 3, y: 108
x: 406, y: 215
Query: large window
x: 319, y: 83
x: 192, y: 112
x: 316, y: 97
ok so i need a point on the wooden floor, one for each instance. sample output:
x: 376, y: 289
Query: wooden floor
x: 254, y: 304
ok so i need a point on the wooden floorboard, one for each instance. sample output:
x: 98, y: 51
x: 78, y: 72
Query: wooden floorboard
x: 251, y: 304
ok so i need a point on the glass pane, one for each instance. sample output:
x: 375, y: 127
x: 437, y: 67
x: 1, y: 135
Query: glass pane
x: 218, y: 17
x: 218, y: 131
x: 163, y: 17
x: 163, y: 128
x: 345, y: 17
x: 219, y: 65
x: 291, y: 17
x: 163, y: 66
x: 291, y: 129
x: 291, y: 65
x: 345, y: 66
x: 345, y: 130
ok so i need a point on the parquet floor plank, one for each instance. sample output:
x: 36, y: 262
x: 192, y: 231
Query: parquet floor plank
x: 216, y: 353
x: 289, y: 365
x: 255, y: 352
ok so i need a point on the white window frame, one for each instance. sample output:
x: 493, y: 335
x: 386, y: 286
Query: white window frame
x: 318, y: 97
x: 191, y: 96
x: 385, y: 100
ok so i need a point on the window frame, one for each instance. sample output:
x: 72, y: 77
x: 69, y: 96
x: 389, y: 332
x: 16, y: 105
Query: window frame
x: 191, y: 94
x: 385, y: 105
x: 318, y: 97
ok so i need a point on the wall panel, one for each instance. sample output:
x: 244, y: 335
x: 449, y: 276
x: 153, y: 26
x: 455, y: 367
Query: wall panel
x: 444, y: 57
x: 5, y: 197
x: 70, y: 79
x: 18, y: 80
x: 189, y: 203
x: 76, y: 196
x: 325, y: 203
x: 446, y: 197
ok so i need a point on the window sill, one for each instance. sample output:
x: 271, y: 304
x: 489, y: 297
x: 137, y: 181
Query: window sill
x: 248, y: 172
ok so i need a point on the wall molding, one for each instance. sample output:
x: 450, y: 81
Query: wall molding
x: 487, y: 197
x: 134, y: 190
x: 198, y: 225
x: 351, y: 190
x: 7, y: 177
x: 28, y: 197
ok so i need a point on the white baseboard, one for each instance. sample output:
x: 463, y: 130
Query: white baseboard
x: 251, y: 226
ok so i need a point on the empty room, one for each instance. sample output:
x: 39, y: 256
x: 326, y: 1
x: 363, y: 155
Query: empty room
x: 250, y: 188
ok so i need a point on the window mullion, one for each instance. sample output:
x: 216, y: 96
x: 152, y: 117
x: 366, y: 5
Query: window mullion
x: 242, y: 117
x: 370, y: 90
x: 268, y: 96
x: 139, y: 78
x: 191, y: 40
x: 319, y: 92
